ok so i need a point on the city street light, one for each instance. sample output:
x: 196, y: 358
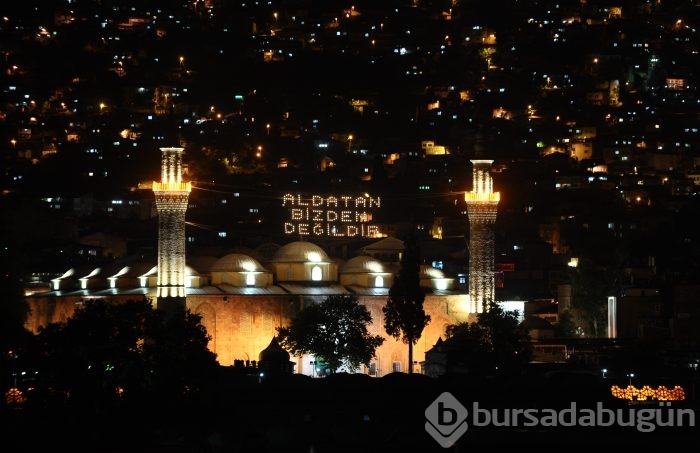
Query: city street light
x: 630, y: 376
x: 349, y: 142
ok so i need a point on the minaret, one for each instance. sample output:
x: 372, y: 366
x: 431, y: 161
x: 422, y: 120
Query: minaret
x: 482, y: 206
x: 171, y: 201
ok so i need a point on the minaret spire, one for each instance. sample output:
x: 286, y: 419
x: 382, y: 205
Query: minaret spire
x: 482, y: 207
x: 171, y: 195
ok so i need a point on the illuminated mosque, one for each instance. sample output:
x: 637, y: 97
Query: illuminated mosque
x: 242, y: 299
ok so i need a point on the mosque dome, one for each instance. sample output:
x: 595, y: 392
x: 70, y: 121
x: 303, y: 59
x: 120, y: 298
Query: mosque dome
x: 237, y: 262
x: 190, y: 271
x: 434, y: 278
x: 362, y: 264
x: 202, y: 263
x: 300, y: 252
x: 431, y: 272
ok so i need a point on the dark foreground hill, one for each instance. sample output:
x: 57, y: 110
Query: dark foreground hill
x: 343, y: 413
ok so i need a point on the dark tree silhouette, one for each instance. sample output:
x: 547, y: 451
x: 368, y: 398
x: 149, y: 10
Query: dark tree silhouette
x: 495, y: 344
x: 591, y: 286
x: 130, y: 352
x: 13, y: 307
x: 404, y: 316
x: 335, y: 331
x: 566, y: 327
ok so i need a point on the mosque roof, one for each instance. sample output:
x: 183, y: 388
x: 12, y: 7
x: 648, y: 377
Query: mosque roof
x: 431, y: 272
x: 202, y: 263
x: 388, y: 244
x: 237, y: 262
x: 309, y: 290
x: 300, y: 252
x: 368, y: 291
x: 363, y: 264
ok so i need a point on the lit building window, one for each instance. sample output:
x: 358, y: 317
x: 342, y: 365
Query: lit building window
x: 379, y: 281
x: 316, y: 274
x: 372, y: 369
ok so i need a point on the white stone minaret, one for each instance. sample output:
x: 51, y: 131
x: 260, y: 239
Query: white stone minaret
x: 482, y: 206
x: 171, y: 202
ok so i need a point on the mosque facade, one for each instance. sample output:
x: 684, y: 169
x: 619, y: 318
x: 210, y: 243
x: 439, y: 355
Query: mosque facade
x: 242, y: 301
x: 243, y: 298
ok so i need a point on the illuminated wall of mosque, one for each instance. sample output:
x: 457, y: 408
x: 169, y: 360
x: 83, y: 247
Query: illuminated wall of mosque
x: 242, y: 326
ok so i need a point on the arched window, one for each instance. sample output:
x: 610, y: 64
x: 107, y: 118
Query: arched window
x: 316, y: 274
x: 378, y: 281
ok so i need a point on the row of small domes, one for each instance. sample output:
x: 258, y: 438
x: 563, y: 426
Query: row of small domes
x: 305, y: 252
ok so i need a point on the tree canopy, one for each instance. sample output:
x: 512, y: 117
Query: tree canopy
x: 404, y: 315
x: 335, y: 331
x: 125, y: 372
x: 130, y: 350
x: 566, y: 327
x: 591, y: 287
x: 495, y: 344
